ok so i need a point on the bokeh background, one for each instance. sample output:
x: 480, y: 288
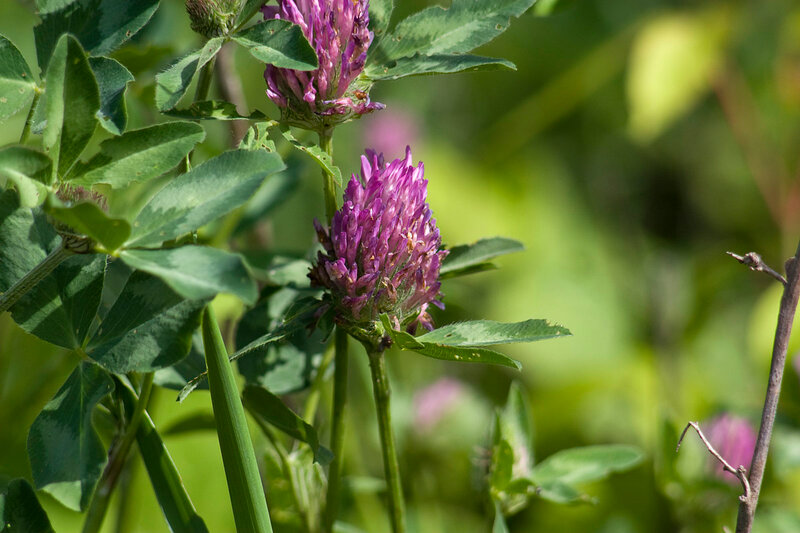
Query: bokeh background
x: 635, y: 144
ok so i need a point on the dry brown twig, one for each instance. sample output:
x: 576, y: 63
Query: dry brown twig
x: 740, y: 472
x: 754, y: 262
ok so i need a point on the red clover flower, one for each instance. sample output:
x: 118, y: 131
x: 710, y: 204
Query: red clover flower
x: 339, y: 32
x: 735, y: 439
x: 382, y: 251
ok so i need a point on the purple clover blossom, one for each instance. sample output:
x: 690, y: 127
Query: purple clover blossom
x: 382, y: 252
x: 339, y: 32
x: 435, y: 401
x: 735, y: 440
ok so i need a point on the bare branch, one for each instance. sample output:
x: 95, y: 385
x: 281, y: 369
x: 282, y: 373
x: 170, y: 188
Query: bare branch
x: 740, y: 472
x: 753, y: 261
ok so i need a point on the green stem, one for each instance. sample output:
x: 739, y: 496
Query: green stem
x: 328, y: 183
x: 32, y: 278
x: 26, y: 130
x: 116, y: 462
x: 380, y: 387
x: 204, y: 80
x: 312, y: 400
x: 286, y: 464
x: 238, y: 456
x: 337, y: 431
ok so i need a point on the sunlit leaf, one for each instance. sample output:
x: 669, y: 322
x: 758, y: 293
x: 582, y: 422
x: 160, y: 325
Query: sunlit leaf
x: 462, y: 259
x: 590, y: 463
x: 173, y: 83
x: 28, y: 170
x: 489, y: 332
x: 17, y: 85
x: 213, y: 110
x: 202, y: 195
x: 279, y: 43
x: 196, y: 272
x: 435, y: 64
x: 139, y: 155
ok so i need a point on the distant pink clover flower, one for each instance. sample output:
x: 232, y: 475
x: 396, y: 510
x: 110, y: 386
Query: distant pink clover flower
x: 735, y: 440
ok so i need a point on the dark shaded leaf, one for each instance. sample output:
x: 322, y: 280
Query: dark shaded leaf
x: 61, y: 307
x: 112, y: 80
x: 271, y: 409
x: 21, y: 512
x: 149, y: 327
x: 176, y: 377
x: 100, y: 25
x: 66, y: 454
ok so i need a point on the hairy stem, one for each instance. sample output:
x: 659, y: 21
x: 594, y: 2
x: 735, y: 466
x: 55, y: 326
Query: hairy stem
x: 328, y: 184
x: 238, y: 456
x: 26, y: 129
x: 791, y: 292
x: 116, y: 462
x: 32, y: 278
x: 380, y: 387
x: 337, y: 430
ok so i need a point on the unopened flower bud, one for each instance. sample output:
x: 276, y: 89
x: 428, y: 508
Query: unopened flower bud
x: 212, y: 18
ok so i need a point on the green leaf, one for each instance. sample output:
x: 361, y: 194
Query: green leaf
x: 100, y: 25
x: 213, y: 110
x: 20, y: 511
x: 196, y: 272
x: 465, y: 257
x: 148, y: 327
x: 465, y: 25
x: 61, y: 307
x: 251, y: 7
x: 28, y: 170
x: 176, y: 377
x: 271, y: 409
x: 557, y: 492
x: 288, y: 364
x: 516, y: 427
x: 172, y: 497
x: 88, y: 219
x: 380, y: 13
x: 489, y: 332
x: 502, y: 463
x: 271, y: 195
x: 199, y: 421
x: 112, y: 80
x: 72, y: 100
x: 435, y: 64
x: 202, y: 195
x: 173, y: 83
x: 238, y: 456
x: 590, y: 463
x: 257, y: 137
x: 17, y: 85
x: 323, y: 158
x: 445, y: 352
x: 66, y: 454
x: 139, y: 155
x: 279, y: 43
x: 499, y: 525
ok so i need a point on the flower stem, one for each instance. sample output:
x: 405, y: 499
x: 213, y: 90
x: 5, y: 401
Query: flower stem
x: 116, y: 462
x: 238, y: 456
x: 337, y: 430
x: 788, y: 307
x: 204, y: 80
x: 328, y: 184
x: 26, y: 129
x: 380, y: 387
x: 32, y: 278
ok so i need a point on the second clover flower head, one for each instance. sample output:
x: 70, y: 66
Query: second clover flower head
x: 322, y: 98
x: 382, y: 251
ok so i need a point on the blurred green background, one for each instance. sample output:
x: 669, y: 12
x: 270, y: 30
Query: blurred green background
x: 635, y: 144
